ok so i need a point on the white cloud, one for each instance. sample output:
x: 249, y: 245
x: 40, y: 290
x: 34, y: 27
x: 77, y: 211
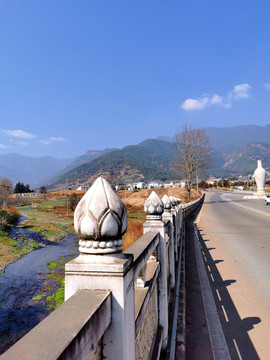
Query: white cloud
x: 216, y: 99
x: 202, y: 102
x: 192, y: 104
x: 19, y: 133
x: 57, y: 138
x: 266, y: 86
x: 51, y: 139
x: 241, y: 91
x: 2, y: 146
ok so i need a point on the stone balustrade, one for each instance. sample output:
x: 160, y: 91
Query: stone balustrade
x: 116, y: 302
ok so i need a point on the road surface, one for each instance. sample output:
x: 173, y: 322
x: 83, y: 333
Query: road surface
x: 234, y: 235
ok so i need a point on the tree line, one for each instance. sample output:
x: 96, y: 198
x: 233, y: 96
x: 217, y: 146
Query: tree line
x: 20, y: 188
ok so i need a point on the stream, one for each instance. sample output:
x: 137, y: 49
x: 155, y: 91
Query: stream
x: 18, y: 233
x: 21, y: 281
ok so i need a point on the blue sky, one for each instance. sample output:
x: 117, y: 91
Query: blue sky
x: 81, y: 75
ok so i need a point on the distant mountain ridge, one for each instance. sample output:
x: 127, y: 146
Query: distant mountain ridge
x: 29, y: 169
x: 85, y: 158
x: 245, y: 160
x: 36, y: 171
x: 149, y: 160
x: 229, y: 139
x: 235, y: 150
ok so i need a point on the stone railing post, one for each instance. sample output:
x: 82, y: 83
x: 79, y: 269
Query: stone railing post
x: 168, y: 216
x: 154, y: 209
x: 100, y: 220
x: 175, y: 224
x: 179, y: 217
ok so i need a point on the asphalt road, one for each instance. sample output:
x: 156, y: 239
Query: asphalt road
x: 234, y: 236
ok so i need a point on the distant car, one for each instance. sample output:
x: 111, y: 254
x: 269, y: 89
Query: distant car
x: 267, y: 200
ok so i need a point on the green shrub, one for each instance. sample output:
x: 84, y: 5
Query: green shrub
x: 7, y: 218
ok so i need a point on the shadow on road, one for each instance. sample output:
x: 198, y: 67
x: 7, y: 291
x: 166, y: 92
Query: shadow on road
x: 235, y: 329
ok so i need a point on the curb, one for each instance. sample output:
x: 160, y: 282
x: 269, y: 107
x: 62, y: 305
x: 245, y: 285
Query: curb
x: 180, y: 346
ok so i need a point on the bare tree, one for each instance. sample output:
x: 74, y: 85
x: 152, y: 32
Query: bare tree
x: 43, y: 190
x: 5, y: 190
x: 193, y: 153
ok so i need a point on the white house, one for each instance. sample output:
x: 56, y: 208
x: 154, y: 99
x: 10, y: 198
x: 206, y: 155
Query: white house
x: 168, y: 184
x: 138, y: 185
x: 154, y: 184
x: 83, y: 187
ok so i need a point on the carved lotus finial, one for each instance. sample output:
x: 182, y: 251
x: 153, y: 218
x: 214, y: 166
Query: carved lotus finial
x: 173, y: 202
x: 100, y: 220
x: 167, y: 203
x: 153, y: 206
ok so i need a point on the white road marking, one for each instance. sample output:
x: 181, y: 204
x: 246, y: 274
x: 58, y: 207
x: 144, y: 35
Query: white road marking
x: 237, y: 349
x: 225, y: 313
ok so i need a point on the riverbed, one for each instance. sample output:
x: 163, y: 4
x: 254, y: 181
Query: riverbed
x: 20, y: 282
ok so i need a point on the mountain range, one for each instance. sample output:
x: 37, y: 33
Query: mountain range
x: 149, y: 160
x: 234, y: 152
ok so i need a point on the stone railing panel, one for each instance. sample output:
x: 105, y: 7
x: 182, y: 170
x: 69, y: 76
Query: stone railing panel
x: 147, y: 332
x: 72, y: 331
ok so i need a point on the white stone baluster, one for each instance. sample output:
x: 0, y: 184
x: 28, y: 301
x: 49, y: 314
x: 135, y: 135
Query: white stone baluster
x: 179, y: 214
x: 154, y: 209
x: 175, y: 221
x: 100, y: 220
x: 168, y: 216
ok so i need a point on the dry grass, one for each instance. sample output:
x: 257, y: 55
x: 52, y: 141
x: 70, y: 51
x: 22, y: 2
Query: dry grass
x: 134, y: 231
x: 11, y: 209
x: 135, y: 200
x: 65, y: 193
